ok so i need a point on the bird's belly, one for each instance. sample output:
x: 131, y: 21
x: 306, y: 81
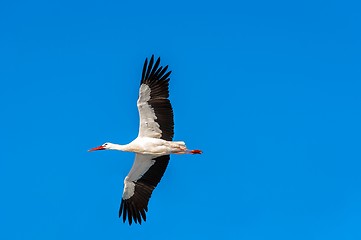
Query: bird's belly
x: 152, y: 146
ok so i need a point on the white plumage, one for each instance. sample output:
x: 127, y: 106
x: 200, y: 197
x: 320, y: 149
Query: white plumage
x: 152, y: 146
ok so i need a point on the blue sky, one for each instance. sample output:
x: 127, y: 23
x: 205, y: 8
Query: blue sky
x: 269, y: 90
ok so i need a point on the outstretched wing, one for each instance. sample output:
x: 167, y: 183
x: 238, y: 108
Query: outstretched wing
x: 146, y: 172
x: 155, y: 109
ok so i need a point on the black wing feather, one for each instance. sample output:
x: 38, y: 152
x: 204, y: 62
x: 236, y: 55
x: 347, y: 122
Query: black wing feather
x: 150, y: 66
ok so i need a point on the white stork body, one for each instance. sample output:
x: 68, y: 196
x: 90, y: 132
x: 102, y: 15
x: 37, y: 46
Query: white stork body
x: 152, y: 146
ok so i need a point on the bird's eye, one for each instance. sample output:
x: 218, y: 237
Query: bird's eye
x: 105, y: 144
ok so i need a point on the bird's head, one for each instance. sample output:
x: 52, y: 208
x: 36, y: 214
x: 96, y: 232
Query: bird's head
x: 105, y: 146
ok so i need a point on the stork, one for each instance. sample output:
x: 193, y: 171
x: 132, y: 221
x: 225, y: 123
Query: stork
x: 153, y: 145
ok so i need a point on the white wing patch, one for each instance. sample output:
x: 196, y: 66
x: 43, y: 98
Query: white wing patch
x: 148, y: 126
x: 128, y: 188
x: 140, y: 166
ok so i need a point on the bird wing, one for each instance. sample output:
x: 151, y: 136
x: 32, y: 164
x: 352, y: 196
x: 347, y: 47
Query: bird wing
x: 146, y: 173
x: 155, y: 109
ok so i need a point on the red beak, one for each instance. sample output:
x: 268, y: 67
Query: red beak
x: 96, y: 148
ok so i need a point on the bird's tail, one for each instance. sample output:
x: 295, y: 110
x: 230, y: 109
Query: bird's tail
x: 179, y: 144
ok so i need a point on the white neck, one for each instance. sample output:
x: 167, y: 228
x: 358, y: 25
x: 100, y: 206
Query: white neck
x: 114, y: 146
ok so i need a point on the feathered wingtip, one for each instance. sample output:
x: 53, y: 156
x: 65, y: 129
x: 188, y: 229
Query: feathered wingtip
x: 154, y: 72
x: 130, y: 211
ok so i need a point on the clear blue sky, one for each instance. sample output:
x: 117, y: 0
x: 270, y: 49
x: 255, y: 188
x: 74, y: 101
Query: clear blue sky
x: 269, y: 90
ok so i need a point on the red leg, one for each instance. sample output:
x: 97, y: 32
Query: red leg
x: 196, y: 151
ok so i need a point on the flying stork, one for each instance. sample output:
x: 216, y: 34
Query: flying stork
x: 153, y: 145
